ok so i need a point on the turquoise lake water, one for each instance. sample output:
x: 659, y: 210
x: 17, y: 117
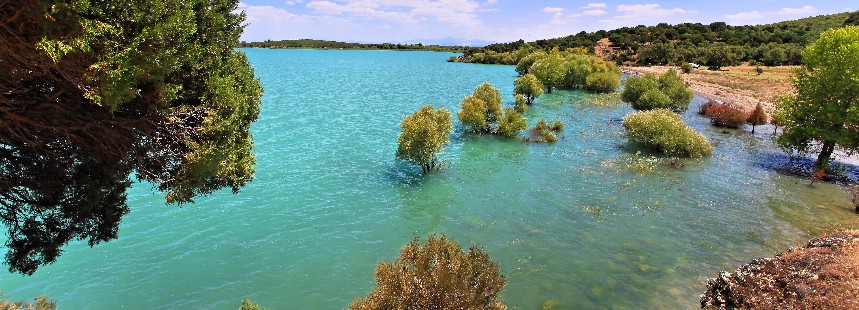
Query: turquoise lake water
x: 568, y: 222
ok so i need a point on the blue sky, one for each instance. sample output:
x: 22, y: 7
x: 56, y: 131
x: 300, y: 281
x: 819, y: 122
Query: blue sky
x: 499, y: 20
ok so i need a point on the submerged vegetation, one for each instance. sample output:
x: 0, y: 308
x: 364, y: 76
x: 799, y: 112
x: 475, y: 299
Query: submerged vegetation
x: 665, y: 131
x: 436, y: 275
x: 423, y: 135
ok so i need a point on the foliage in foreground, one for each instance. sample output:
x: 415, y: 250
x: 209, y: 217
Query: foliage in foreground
x: 824, y: 112
x: 424, y: 134
x: 41, y: 302
x: 436, y: 275
x: 648, y: 92
x: 665, y: 131
x: 91, y: 91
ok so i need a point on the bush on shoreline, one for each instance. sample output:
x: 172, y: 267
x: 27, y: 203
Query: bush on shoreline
x: 648, y: 92
x: 665, y: 131
x: 726, y: 115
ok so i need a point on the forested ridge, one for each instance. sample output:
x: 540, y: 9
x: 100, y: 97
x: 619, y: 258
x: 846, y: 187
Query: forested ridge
x: 716, y: 44
x: 323, y: 44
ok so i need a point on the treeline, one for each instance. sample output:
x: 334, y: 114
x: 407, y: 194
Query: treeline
x: 716, y: 44
x: 322, y: 44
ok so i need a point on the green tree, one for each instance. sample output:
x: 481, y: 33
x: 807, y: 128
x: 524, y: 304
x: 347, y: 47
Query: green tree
x: 529, y: 86
x: 510, y: 124
x: 719, y: 55
x: 481, y: 109
x: 524, y: 64
x: 520, y: 104
x: 550, y: 70
x: 92, y: 91
x: 436, y: 275
x: 424, y: 134
x: 824, y: 113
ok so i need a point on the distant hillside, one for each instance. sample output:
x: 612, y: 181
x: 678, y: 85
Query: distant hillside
x: 322, y: 44
x: 772, y: 44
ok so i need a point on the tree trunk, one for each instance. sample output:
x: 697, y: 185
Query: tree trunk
x: 753, y: 128
x: 824, y: 156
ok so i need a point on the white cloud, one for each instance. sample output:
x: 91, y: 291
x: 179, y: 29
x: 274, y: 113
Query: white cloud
x: 241, y: 5
x: 594, y: 12
x: 647, y: 10
x: 797, y: 11
x: 744, y: 16
x: 491, y: 2
x: 550, y: 9
x: 595, y: 5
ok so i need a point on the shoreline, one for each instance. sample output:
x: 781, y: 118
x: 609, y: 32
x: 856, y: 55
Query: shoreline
x: 745, y: 92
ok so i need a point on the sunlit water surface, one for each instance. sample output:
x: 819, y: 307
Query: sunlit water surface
x: 569, y: 222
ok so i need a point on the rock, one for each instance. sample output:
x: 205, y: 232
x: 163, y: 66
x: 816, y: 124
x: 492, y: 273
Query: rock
x: 820, y: 275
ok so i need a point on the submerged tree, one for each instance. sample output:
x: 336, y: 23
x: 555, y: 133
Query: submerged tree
x: 510, y: 123
x: 424, y: 134
x: 550, y: 69
x: 91, y: 91
x: 481, y: 109
x: 824, y: 112
x: 529, y: 86
x: 648, y: 92
x: 436, y: 275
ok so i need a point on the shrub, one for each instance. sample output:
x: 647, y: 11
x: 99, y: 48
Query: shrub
x: 247, y: 304
x: 759, y: 70
x: 665, y: 131
x: 520, y: 105
x: 676, y: 94
x: 41, y: 302
x: 725, y: 115
x: 602, y: 82
x: 510, y: 124
x: 652, y: 99
x: 543, y: 133
x: 452, y: 59
x: 437, y: 275
x: 706, y: 106
x: 636, y: 86
x: 686, y: 67
x: 757, y: 117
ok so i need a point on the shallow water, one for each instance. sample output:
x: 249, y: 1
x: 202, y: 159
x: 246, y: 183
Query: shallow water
x: 569, y: 222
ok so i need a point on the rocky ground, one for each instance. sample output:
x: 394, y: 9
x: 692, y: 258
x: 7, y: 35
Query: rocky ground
x: 740, y: 85
x: 823, y: 274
